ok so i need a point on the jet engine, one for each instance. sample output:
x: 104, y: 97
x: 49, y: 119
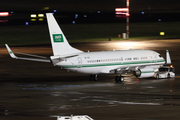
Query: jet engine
x: 144, y: 73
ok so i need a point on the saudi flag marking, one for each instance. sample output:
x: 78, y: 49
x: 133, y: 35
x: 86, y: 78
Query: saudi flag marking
x: 58, y: 38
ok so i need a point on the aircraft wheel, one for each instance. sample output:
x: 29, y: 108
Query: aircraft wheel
x: 168, y: 75
x: 157, y: 76
x: 117, y: 78
x: 93, y: 77
x: 121, y: 79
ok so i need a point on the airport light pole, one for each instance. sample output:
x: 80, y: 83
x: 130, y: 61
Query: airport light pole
x: 127, y: 20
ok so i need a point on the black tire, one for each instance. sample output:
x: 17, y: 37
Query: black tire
x: 93, y: 78
x: 157, y: 76
x: 117, y: 78
x: 168, y: 75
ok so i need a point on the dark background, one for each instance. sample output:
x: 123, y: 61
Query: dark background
x: 88, y: 5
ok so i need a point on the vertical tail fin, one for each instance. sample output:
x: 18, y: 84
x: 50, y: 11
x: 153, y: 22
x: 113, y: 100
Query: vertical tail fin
x: 168, y: 59
x: 59, y: 42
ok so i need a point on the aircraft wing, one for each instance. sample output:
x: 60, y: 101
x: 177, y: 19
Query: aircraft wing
x: 24, y: 58
x: 124, y: 69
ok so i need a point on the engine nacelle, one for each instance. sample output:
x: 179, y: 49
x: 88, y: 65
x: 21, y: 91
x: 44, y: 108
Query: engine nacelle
x: 144, y: 73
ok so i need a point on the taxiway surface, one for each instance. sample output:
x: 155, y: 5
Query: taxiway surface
x: 33, y: 90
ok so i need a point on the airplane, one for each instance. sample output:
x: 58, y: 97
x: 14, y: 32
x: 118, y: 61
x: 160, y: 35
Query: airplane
x: 142, y: 63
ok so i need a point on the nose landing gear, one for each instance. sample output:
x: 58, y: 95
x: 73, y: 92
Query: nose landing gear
x: 93, y: 77
x: 119, y: 79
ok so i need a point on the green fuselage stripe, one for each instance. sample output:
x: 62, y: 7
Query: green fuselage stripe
x: 110, y: 64
x: 147, y: 72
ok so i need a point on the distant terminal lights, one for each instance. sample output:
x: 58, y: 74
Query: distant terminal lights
x: 122, y: 11
x: 35, y: 15
x: 4, y: 14
x: 39, y: 16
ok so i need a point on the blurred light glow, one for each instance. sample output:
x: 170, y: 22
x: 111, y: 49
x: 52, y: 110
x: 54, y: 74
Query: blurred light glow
x: 121, y: 13
x: 129, y: 45
x: 33, y: 19
x: 3, y: 21
x: 142, y: 13
x: 73, y: 22
x: 76, y: 15
x: 127, y: 14
x: 121, y: 9
x: 46, y: 8
x: 40, y: 15
x: 162, y: 33
x: 33, y: 15
x: 4, y: 13
x: 27, y: 23
x: 41, y: 19
x: 55, y: 10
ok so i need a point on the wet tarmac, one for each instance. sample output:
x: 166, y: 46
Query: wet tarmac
x: 39, y: 91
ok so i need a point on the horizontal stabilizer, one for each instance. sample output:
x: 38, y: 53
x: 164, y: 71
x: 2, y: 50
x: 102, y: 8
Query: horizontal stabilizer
x: 10, y: 52
x: 31, y: 55
x: 23, y: 58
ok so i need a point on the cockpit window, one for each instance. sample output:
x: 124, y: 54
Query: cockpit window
x: 160, y: 56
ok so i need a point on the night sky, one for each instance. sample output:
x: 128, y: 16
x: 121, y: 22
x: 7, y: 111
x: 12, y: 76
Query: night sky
x: 88, y: 5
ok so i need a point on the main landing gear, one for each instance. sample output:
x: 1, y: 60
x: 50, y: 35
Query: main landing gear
x: 119, y: 79
x: 93, y: 77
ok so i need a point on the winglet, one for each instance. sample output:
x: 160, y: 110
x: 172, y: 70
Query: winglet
x: 168, y: 59
x: 10, y: 52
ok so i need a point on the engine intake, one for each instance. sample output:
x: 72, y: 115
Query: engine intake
x: 144, y: 73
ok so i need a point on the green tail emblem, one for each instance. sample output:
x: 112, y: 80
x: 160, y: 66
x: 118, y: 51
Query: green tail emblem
x: 58, y: 38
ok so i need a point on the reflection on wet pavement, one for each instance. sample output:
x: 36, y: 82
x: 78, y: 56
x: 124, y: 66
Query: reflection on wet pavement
x: 42, y: 100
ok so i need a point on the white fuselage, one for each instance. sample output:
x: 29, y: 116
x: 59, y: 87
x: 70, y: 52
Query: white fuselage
x: 105, y: 61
